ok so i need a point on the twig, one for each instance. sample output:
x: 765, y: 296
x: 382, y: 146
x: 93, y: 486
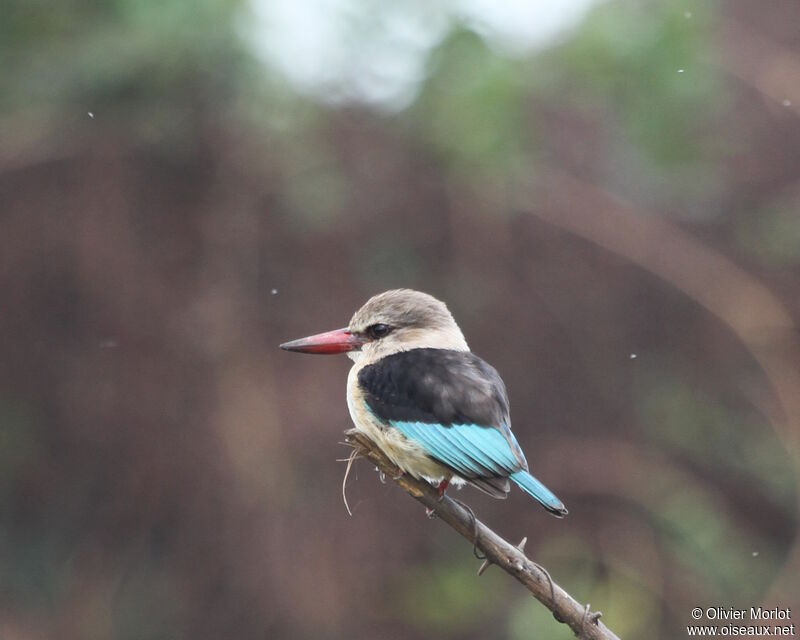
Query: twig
x: 511, y: 559
x: 350, y: 459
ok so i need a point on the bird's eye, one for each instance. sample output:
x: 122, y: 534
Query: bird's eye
x: 378, y: 331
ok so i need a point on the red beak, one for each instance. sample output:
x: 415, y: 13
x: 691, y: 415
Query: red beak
x: 339, y: 341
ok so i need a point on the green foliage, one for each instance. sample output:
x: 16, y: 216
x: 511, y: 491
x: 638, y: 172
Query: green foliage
x: 650, y: 65
x: 709, y: 434
x: 711, y: 551
x: 773, y: 233
x: 472, y: 108
x: 448, y: 599
x: 647, y: 71
x: 147, y: 605
x: 20, y: 444
x: 122, y: 57
x: 703, y: 531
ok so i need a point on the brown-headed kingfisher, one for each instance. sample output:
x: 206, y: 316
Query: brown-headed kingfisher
x: 433, y: 407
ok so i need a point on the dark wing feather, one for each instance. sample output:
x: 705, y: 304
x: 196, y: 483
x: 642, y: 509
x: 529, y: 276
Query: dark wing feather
x: 451, y: 401
x: 435, y: 386
x: 495, y: 487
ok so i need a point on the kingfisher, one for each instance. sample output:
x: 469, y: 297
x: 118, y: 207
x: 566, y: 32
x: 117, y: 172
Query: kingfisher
x: 437, y: 410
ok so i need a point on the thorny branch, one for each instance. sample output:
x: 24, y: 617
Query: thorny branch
x: 584, y: 623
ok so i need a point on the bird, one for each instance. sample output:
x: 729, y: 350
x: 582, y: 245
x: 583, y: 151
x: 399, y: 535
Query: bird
x: 437, y: 411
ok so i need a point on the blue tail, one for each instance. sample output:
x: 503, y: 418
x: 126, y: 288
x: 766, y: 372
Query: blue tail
x: 533, y: 487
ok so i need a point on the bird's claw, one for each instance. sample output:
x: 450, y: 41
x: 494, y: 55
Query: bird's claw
x: 442, y: 487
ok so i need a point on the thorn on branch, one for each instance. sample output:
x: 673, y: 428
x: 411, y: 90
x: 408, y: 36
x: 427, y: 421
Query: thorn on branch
x: 488, y: 563
x: 593, y: 618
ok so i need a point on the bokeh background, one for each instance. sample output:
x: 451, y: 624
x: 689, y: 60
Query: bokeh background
x: 607, y: 194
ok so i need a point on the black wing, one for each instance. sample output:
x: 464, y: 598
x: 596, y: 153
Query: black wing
x: 443, y: 388
x: 436, y: 386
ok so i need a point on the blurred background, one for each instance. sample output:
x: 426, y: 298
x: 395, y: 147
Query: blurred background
x: 607, y: 195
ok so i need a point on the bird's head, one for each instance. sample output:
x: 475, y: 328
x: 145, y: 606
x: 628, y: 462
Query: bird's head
x: 389, y: 322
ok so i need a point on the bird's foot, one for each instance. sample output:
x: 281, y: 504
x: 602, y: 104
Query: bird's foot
x: 440, y: 489
x: 443, y: 484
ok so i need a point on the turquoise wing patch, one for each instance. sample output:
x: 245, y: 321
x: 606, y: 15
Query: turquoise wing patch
x: 470, y: 450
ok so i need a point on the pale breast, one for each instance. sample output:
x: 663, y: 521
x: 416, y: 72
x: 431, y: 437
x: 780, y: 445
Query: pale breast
x: 406, y: 454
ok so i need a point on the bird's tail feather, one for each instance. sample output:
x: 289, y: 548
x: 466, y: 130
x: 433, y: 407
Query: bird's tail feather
x: 533, y: 487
